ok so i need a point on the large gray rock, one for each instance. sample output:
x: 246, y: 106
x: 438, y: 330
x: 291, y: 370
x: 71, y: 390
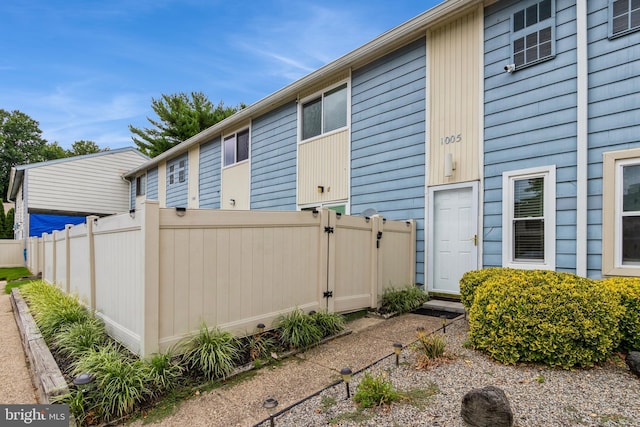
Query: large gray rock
x: 487, y: 407
x: 633, y: 362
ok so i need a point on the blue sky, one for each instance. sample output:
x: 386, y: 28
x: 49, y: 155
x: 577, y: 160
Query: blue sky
x: 86, y: 69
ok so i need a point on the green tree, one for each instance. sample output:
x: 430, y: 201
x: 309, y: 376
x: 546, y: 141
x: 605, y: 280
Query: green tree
x: 180, y: 116
x: 82, y: 147
x: 20, y: 142
x: 8, y: 224
x: 53, y: 151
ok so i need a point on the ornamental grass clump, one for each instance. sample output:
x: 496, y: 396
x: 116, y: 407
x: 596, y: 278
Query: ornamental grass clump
x: 76, y: 339
x: 211, y: 352
x: 558, y: 319
x: 120, y: 381
x: 298, y: 330
x: 329, y: 323
x: 162, y: 373
x: 628, y: 290
x: 429, y: 349
x: 402, y: 300
x: 52, y: 309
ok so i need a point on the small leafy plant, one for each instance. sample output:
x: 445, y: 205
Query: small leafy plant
x: 163, y: 373
x: 260, y: 345
x: 375, y: 391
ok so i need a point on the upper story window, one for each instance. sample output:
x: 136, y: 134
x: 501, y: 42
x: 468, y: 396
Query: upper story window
x: 532, y: 32
x: 177, y: 173
x: 141, y: 185
x: 236, y: 147
x: 528, y: 209
x: 325, y: 113
x: 624, y: 16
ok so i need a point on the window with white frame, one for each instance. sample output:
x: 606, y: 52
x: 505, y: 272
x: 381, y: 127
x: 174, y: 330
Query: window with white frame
x: 325, y: 113
x: 177, y: 172
x: 532, y: 33
x: 528, y: 224
x: 624, y: 16
x: 141, y: 185
x: 627, y: 213
x: 236, y: 147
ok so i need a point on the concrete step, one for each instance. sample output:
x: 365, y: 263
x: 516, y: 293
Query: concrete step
x: 443, y: 305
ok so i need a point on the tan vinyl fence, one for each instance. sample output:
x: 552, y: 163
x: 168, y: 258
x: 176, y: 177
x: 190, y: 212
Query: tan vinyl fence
x: 155, y: 275
x: 11, y: 253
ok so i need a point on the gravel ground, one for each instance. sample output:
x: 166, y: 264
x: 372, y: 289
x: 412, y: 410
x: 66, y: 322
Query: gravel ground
x: 607, y: 395
x: 15, y: 383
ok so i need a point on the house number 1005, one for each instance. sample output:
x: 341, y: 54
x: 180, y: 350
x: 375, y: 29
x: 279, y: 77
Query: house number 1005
x: 451, y: 139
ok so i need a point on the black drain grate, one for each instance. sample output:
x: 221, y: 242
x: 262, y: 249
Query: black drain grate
x: 436, y: 313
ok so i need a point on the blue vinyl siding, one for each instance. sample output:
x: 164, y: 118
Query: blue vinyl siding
x: 530, y: 121
x: 178, y: 192
x: 388, y: 139
x: 152, y: 184
x: 210, y: 174
x: 273, y: 159
x: 614, y: 109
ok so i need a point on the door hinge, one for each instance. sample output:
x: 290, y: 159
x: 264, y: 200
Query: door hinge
x: 328, y: 294
x: 328, y: 230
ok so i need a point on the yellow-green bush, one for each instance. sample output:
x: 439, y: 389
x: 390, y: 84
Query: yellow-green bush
x: 540, y: 316
x: 470, y: 281
x: 628, y: 289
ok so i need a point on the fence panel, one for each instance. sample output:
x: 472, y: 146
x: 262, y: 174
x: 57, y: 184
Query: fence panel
x: 48, y: 273
x: 119, y: 279
x: 80, y: 263
x: 355, y: 241
x: 235, y: 269
x: 397, y: 256
x: 11, y: 253
x: 60, y: 248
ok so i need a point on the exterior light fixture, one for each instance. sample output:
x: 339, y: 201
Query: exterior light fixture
x: 132, y: 213
x: 320, y: 189
x: 397, y: 349
x: 260, y: 327
x: 420, y: 331
x: 444, y: 324
x: 346, y: 377
x: 181, y: 211
x: 232, y: 202
x: 270, y: 404
x: 83, y: 381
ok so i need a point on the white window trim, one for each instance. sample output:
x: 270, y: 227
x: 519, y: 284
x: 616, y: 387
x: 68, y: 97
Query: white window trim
x: 321, y: 93
x: 513, y: 35
x: 235, y: 148
x: 611, y: 34
x: 549, y: 175
x: 142, y: 189
x: 617, y: 239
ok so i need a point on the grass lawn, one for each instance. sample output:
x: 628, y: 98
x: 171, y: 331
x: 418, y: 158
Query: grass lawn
x: 11, y: 274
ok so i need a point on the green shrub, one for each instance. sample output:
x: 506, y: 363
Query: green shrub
x: 403, y: 300
x: 375, y: 391
x: 628, y: 290
x: 329, y: 323
x: 162, y: 372
x: 470, y: 281
x: 539, y: 316
x: 298, y: 330
x: 120, y: 381
x: 211, y: 352
x: 75, y: 339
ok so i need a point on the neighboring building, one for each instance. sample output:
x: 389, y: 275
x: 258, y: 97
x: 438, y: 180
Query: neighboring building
x: 50, y: 194
x: 562, y: 136
x: 488, y: 125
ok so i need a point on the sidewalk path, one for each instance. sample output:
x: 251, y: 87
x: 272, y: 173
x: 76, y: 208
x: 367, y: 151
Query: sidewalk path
x: 299, y: 376
x: 16, y: 385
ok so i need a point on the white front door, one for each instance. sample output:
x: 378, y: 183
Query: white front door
x: 453, y: 235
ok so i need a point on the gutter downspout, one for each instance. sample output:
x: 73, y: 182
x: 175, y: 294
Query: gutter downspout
x: 582, y: 149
